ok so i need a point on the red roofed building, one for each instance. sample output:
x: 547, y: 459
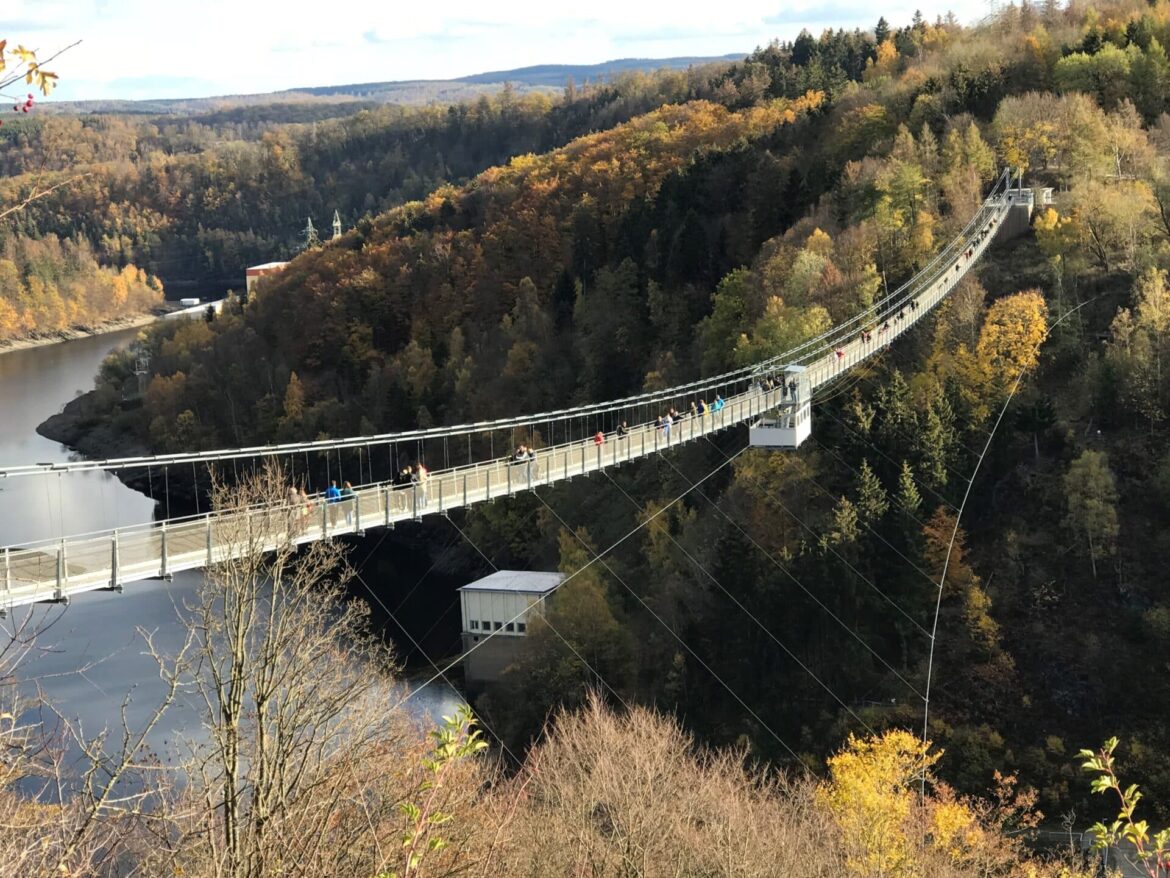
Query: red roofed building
x: 251, y: 275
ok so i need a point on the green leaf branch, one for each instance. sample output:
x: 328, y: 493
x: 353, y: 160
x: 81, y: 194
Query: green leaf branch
x: 455, y: 739
x: 1153, y: 852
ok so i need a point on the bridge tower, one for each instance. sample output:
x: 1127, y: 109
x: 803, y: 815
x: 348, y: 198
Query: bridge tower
x: 789, y: 421
x: 336, y: 226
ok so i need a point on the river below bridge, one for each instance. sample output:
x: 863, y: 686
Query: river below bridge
x: 91, y: 654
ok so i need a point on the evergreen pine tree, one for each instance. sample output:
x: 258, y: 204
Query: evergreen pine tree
x: 909, y: 500
x: 872, y: 501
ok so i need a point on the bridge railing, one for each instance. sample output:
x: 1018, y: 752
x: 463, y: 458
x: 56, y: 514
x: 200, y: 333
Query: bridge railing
x: 975, y: 235
x: 901, y: 318
x: 55, y: 568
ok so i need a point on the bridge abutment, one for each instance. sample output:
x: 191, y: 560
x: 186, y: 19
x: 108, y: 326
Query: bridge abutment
x: 1022, y: 204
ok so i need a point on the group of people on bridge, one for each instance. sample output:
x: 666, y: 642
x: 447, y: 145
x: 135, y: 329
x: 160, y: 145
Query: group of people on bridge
x: 699, y: 409
x: 303, y: 505
x: 413, y: 475
x: 526, y: 456
x: 342, y: 499
x: 865, y: 336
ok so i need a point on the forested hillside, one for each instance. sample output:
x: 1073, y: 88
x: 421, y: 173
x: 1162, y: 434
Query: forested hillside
x: 747, y: 212
x: 47, y: 285
x: 195, y: 200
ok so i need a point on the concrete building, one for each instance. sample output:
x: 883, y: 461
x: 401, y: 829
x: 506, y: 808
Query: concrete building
x: 255, y: 272
x: 501, y: 605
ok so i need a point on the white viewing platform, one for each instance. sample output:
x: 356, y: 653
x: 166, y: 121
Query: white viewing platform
x: 789, y: 423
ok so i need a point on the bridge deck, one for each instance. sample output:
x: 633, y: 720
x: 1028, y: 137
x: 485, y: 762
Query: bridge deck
x: 55, y: 570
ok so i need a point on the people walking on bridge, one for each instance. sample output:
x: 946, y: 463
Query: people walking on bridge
x: 347, y: 497
x: 694, y: 409
x: 702, y: 408
x: 666, y: 422
x: 306, y: 505
x: 332, y: 498
x: 421, y: 474
x: 599, y: 438
x: 294, y: 507
x: 718, y: 404
x: 623, y: 430
x: 403, y: 479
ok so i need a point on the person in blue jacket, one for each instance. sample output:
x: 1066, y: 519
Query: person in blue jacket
x: 332, y: 496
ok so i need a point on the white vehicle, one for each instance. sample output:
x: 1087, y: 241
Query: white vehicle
x: 189, y: 303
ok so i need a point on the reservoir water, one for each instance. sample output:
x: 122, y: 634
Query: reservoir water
x: 92, y: 654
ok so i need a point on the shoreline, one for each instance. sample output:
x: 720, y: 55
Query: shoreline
x: 73, y: 333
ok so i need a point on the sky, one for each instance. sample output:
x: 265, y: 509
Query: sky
x: 135, y: 49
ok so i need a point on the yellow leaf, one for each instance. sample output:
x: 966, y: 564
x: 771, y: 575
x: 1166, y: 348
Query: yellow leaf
x: 46, y: 81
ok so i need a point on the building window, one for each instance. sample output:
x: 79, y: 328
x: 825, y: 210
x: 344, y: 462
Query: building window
x: 474, y: 625
x: 497, y: 626
x: 521, y: 627
x: 475, y: 640
x: 510, y: 627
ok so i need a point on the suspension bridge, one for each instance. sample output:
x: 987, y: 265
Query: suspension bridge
x: 773, y: 396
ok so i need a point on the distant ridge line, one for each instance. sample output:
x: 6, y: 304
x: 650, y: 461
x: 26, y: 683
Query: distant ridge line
x: 618, y: 65
x: 538, y: 77
x: 552, y: 75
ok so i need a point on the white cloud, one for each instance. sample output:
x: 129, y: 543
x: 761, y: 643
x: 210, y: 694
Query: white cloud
x: 163, y: 48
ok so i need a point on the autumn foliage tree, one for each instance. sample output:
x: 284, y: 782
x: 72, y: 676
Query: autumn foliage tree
x: 1009, y: 342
